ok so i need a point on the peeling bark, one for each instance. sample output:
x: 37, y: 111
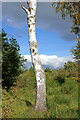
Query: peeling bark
x: 39, y: 72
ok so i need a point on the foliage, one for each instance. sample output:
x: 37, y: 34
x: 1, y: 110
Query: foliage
x: 76, y: 51
x: 11, y: 60
x: 62, y: 101
x: 71, y: 68
x: 73, y: 10
x: 48, y: 69
x: 60, y: 78
x: 31, y: 69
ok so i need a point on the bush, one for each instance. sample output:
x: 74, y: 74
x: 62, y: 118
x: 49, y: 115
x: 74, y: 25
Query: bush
x: 48, y: 69
x: 31, y: 69
x: 71, y: 69
x: 60, y: 78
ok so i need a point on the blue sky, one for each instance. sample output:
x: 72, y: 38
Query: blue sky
x: 53, y: 34
x: 49, y: 42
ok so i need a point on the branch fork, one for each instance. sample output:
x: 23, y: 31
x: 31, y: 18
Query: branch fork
x: 25, y: 9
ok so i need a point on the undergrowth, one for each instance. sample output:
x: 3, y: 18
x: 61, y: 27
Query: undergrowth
x: 62, y: 99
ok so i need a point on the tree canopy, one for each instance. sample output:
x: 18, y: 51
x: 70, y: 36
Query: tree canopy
x: 73, y: 10
x: 11, y: 60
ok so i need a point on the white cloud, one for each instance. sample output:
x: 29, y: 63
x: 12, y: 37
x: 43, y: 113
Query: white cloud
x: 13, y: 23
x: 9, y: 20
x: 51, y: 61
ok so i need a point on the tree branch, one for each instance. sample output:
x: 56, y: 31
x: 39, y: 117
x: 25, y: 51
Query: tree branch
x: 26, y: 10
x: 29, y: 6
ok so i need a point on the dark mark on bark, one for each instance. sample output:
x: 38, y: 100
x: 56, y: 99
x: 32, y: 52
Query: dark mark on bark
x: 33, y: 23
x: 32, y: 8
x: 34, y: 53
x: 32, y: 16
x: 29, y: 26
x: 39, y: 62
x: 33, y: 50
x: 30, y: 30
x: 38, y: 80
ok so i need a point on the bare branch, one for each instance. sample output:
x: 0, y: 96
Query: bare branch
x: 29, y: 6
x: 26, y: 10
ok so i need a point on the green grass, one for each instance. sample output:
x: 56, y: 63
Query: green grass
x: 62, y: 100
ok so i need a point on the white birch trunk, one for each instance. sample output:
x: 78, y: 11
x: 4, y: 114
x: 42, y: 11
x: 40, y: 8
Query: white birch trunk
x: 39, y: 72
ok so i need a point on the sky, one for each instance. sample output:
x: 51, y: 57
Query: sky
x: 53, y: 34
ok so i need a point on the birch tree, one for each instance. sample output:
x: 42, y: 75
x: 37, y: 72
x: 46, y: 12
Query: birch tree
x: 39, y: 72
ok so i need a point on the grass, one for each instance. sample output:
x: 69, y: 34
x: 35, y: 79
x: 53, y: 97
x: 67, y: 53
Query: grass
x: 62, y: 100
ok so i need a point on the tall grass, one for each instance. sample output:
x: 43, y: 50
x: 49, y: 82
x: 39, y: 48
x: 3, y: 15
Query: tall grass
x: 62, y: 100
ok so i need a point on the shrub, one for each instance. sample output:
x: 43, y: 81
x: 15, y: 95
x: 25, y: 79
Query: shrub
x: 48, y: 69
x: 60, y: 78
x: 31, y: 69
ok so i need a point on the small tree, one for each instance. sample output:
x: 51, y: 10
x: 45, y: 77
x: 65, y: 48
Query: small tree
x: 71, y: 68
x: 68, y: 66
x: 73, y: 10
x: 11, y: 60
x: 31, y: 69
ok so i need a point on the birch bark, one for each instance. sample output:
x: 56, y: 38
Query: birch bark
x: 39, y: 72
